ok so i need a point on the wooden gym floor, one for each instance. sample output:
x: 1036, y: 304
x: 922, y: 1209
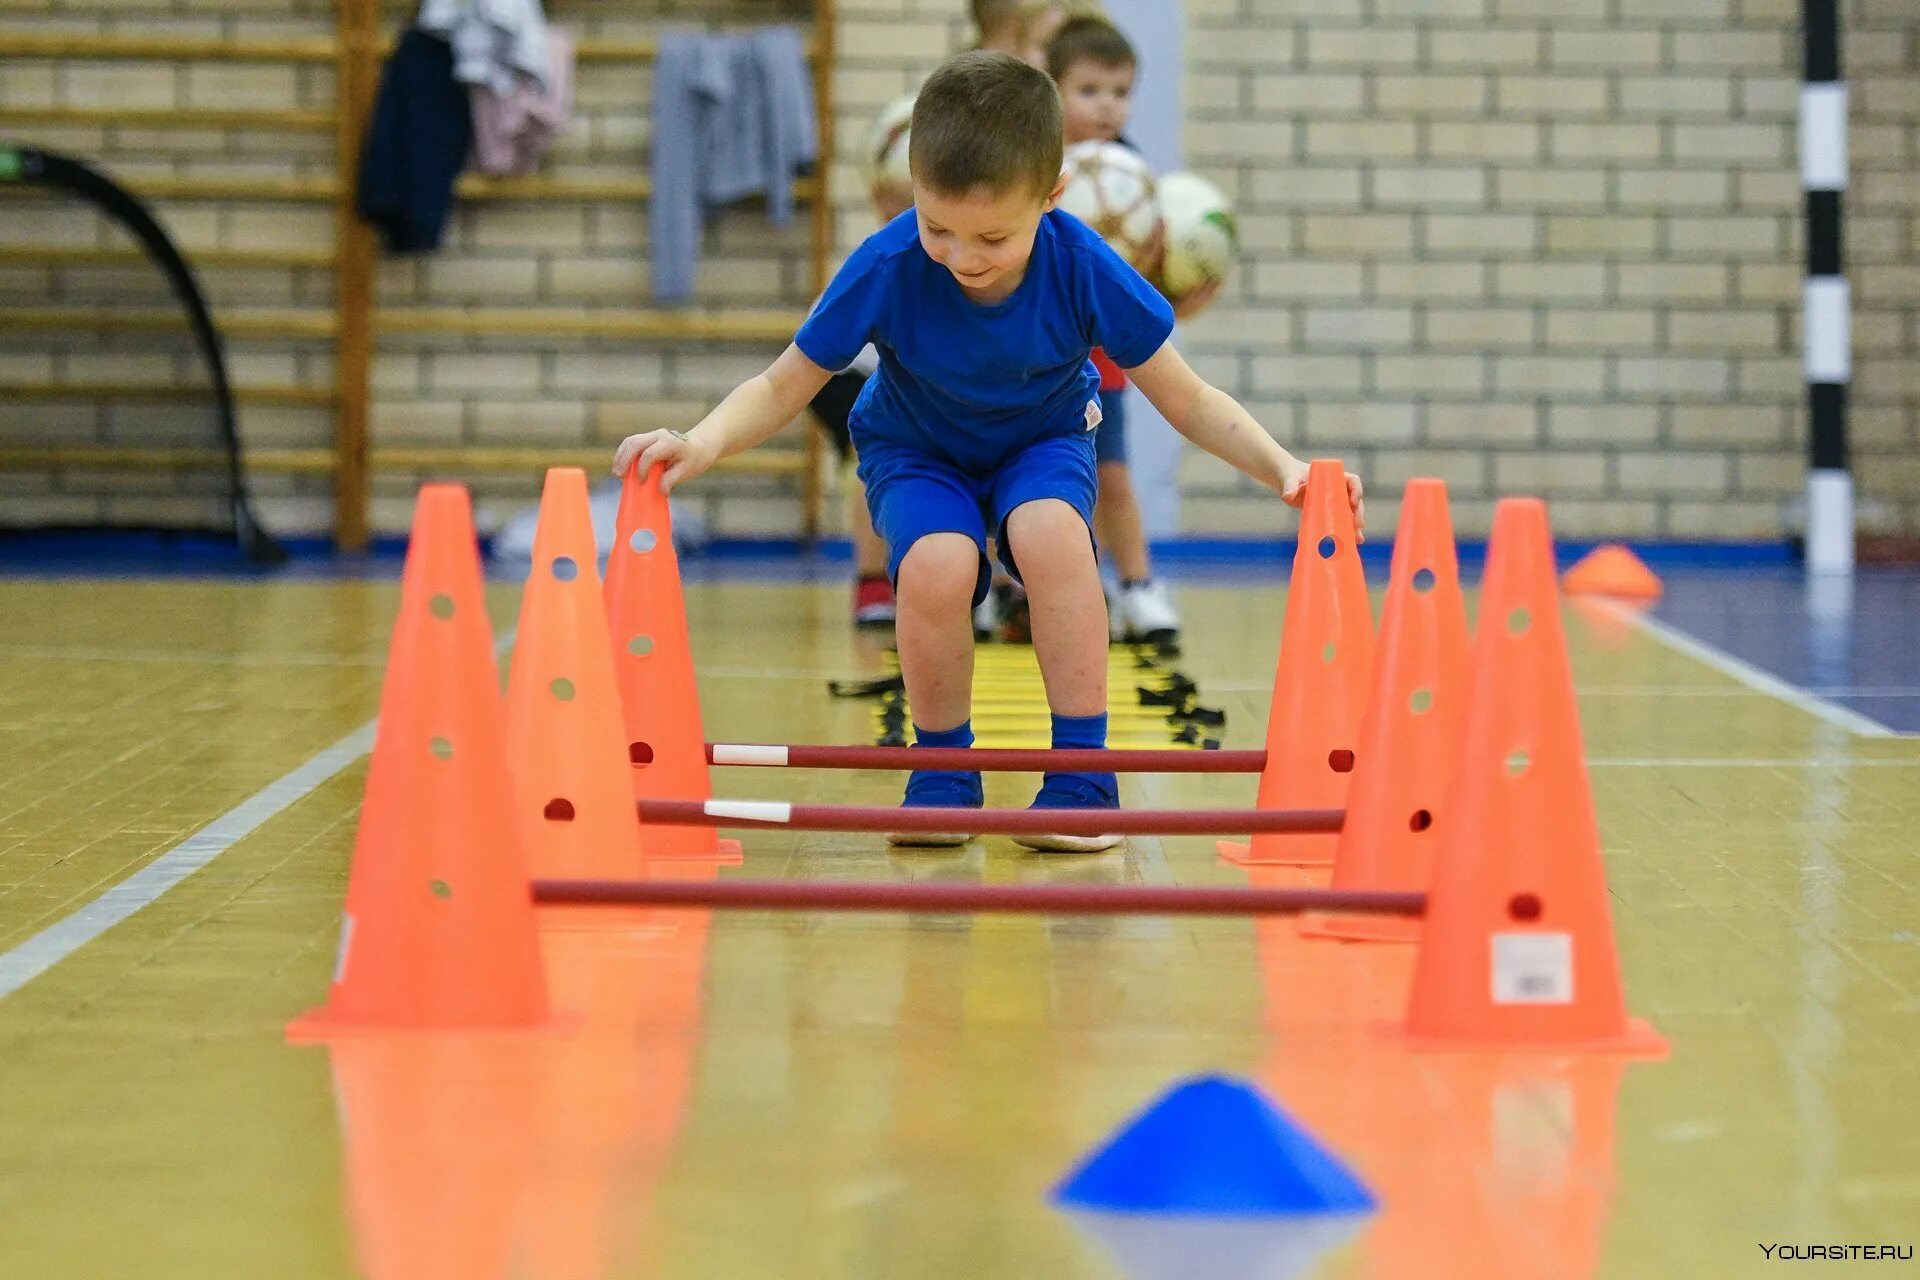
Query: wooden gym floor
x: 879, y: 1096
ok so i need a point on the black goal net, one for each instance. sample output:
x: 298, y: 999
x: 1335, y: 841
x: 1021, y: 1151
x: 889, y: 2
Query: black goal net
x: 115, y: 407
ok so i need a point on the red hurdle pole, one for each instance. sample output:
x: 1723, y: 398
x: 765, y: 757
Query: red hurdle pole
x: 1048, y: 899
x: 767, y: 814
x: 989, y: 759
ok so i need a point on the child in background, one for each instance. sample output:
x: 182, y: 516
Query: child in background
x: 1017, y: 27
x: 1094, y: 66
x: 984, y: 301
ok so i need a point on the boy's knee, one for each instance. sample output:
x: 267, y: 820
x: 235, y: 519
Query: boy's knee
x: 939, y: 566
x: 1047, y: 527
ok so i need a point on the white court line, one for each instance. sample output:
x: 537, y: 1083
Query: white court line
x: 1754, y: 678
x: 67, y: 935
x: 27, y: 961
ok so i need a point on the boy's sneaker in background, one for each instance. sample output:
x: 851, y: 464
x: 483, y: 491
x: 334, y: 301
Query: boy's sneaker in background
x: 873, y: 602
x: 1144, y: 612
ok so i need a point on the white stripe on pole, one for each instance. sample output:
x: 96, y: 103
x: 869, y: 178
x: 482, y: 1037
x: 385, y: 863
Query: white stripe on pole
x: 749, y: 753
x: 1823, y: 137
x: 750, y: 810
x: 1830, y: 521
x: 1826, y: 339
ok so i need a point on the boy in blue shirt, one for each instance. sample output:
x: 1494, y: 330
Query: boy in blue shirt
x: 983, y: 301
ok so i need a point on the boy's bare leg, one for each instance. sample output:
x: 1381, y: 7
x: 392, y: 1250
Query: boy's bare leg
x: 1055, y: 555
x: 934, y: 628
x: 1116, y: 516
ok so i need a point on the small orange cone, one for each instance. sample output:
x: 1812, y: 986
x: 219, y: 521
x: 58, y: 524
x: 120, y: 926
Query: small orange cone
x: 1612, y: 570
x: 439, y: 928
x: 653, y: 665
x: 566, y: 746
x: 1396, y: 806
x: 1517, y: 951
x: 1320, y: 690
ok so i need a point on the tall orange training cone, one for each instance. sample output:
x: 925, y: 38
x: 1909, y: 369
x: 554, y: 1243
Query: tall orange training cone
x: 566, y: 746
x: 1517, y: 951
x: 1320, y: 690
x: 1396, y: 807
x: 1612, y: 570
x: 439, y: 927
x: 653, y: 666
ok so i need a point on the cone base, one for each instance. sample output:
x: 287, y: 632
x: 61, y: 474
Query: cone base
x: 1637, y: 1040
x: 726, y: 853
x: 1340, y: 928
x: 319, y: 1025
x: 1241, y: 854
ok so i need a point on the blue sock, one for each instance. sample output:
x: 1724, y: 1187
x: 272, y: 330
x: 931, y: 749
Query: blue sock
x: 1079, y: 731
x: 1080, y: 787
x: 944, y: 786
x: 961, y: 735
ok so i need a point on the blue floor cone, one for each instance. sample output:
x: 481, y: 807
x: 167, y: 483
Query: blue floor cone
x: 1213, y: 1146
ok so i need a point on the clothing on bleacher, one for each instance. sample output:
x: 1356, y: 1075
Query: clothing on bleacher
x: 732, y: 118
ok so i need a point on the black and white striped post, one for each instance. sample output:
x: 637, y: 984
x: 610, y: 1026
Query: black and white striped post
x: 1826, y: 340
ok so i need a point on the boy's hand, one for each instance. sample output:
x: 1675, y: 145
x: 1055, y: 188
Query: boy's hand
x: 683, y: 456
x: 1293, y: 492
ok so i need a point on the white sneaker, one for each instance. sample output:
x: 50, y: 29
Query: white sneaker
x: 1116, y: 620
x: 987, y: 617
x: 1146, y: 613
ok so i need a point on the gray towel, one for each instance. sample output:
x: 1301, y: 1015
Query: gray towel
x: 732, y: 118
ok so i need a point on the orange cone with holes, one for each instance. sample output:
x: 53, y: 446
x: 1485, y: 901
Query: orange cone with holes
x: 566, y: 746
x: 1613, y: 570
x: 1517, y: 951
x: 1396, y: 808
x: 1320, y: 691
x: 439, y: 928
x: 653, y: 668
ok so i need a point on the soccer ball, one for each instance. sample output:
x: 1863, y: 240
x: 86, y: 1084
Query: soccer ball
x: 889, y: 180
x: 1112, y: 190
x: 1201, y: 234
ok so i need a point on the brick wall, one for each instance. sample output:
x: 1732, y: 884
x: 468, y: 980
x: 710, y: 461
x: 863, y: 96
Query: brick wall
x: 1554, y: 247
x: 1528, y: 245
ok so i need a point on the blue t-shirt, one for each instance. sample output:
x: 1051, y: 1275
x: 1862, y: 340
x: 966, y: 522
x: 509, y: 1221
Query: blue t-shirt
x: 976, y: 384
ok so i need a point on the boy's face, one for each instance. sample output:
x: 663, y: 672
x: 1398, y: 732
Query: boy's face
x: 1096, y: 100
x: 983, y: 237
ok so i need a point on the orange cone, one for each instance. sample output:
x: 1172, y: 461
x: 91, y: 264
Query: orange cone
x: 1320, y: 691
x: 1517, y: 951
x: 566, y: 746
x: 1612, y: 570
x: 439, y: 928
x: 1396, y: 807
x: 653, y: 665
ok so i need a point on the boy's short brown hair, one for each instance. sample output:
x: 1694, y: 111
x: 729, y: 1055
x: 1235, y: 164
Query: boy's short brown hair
x: 1088, y: 40
x: 986, y: 120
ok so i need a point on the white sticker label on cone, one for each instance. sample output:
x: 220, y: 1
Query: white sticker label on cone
x: 1533, y: 968
x: 346, y: 945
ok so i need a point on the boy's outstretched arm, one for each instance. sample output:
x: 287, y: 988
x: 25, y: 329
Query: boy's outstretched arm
x: 1215, y: 421
x: 751, y: 412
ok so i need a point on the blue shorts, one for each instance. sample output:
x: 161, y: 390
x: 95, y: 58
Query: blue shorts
x: 1110, y: 441
x: 911, y: 494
